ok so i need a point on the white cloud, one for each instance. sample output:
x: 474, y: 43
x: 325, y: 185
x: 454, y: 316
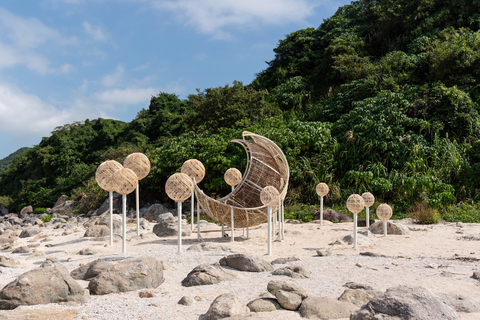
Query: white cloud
x: 215, y: 17
x: 96, y: 33
x: 115, y: 78
x: 126, y: 96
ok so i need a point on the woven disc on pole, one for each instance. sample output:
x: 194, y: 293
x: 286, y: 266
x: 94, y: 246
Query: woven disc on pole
x: 384, y: 212
x: 232, y: 176
x: 355, y: 203
x: 179, y: 187
x: 194, y: 169
x: 125, y: 181
x: 269, y: 196
x: 368, y: 198
x: 104, y: 174
x: 322, y: 189
x: 138, y: 163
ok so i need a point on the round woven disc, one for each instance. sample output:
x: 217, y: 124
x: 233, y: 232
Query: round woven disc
x: 194, y: 169
x: 368, y: 198
x: 125, y: 181
x: 138, y: 163
x: 322, y: 189
x: 232, y: 176
x: 355, y: 203
x: 104, y: 174
x: 384, y: 212
x: 179, y: 187
x: 269, y: 196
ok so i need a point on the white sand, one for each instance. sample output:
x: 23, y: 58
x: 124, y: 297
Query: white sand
x: 423, y: 258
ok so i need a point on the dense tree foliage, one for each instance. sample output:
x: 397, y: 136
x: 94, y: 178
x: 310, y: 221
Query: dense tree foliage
x: 381, y: 97
x: 7, y: 160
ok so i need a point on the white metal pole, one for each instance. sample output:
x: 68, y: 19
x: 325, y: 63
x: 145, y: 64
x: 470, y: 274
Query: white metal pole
x: 269, y: 231
x: 124, y: 231
x: 321, y: 210
x: 198, y: 222
x: 355, y: 218
x: 367, y: 218
x: 385, y: 228
x: 223, y: 230
x: 138, y: 208
x: 283, y: 220
x: 231, y: 218
x: 179, y: 214
x: 192, y: 209
x: 111, y: 217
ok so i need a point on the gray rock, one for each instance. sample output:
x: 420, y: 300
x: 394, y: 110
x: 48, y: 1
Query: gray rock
x: 128, y: 275
x: 332, y: 215
x: 476, y: 275
x: 354, y: 285
x: 225, y: 305
x: 289, y: 295
x: 461, y: 303
x: 358, y: 297
x: 206, y: 274
x: 117, y: 204
x: 65, y: 207
x: 186, y: 301
x: 86, y: 252
x: 50, y: 283
x: 363, y: 223
x: 167, y: 226
x: 104, y: 220
x: 60, y: 200
x: 210, y: 246
x: 15, y: 221
x: 405, y: 302
x: 22, y: 249
x: 90, y: 270
x: 326, y: 308
x: 392, y: 228
x: 284, y: 260
x: 154, y: 211
x: 361, y: 239
x: 9, y: 263
x: 474, y: 237
x: 245, y: 262
x: 97, y: 231
x: 7, y: 239
x: 29, y: 232
x: 264, y: 305
x: 25, y: 211
x: 325, y: 252
x: 295, y: 272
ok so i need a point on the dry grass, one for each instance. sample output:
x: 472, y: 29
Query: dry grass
x: 424, y: 214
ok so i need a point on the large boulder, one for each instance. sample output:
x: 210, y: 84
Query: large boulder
x: 7, y: 239
x: 460, y: 302
x: 25, y: 211
x: 90, y: 270
x: 117, y: 205
x: 326, y: 308
x: 392, y: 228
x: 225, y: 305
x: 128, y: 275
x: 295, y: 272
x: 332, y: 215
x: 10, y: 263
x: 289, y: 295
x: 206, y: 274
x: 358, y: 297
x: 154, y: 211
x: 245, y: 262
x: 104, y: 220
x: 264, y: 305
x: 60, y: 200
x: 65, y: 207
x: 29, y: 232
x: 361, y: 239
x: 404, y: 302
x: 167, y: 226
x: 97, y: 231
x: 50, y: 283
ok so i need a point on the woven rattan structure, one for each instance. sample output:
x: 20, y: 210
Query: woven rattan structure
x: 179, y: 187
x: 138, y: 163
x: 104, y: 174
x: 266, y: 166
x: 232, y: 176
x: 269, y: 196
x: 322, y: 189
x: 384, y: 212
x: 125, y: 181
x: 368, y: 198
x: 194, y: 169
x: 355, y: 203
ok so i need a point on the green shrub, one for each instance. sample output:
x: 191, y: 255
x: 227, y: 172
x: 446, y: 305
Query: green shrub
x: 424, y: 214
x: 302, y: 212
x: 462, y: 212
x: 47, y: 218
x: 39, y: 211
x: 5, y: 201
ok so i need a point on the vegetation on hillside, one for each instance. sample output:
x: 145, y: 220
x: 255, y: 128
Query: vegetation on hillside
x: 381, y: 97
x: 8, y: 159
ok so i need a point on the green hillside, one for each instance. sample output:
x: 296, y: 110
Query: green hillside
x: 381, y: 97
x: 7, y: 160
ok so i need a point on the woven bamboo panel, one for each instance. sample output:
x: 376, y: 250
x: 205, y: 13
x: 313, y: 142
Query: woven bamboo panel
x: 269, y: 196
x: 322, y: 189
x: 384, y: 212
x: 125, y: 181
x: 138, y: 163
x: 368, y: 198
x: 194, y: 169
x: 104, y: 174
x: 179, y: 187
x: 355, y: 203
x: 232, y: 176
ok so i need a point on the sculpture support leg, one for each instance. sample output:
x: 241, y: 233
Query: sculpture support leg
x: 385, y: 228
x: 111, y: 217
x: 179, y: 215
x: 192, y: 210
x: 269, y: 231
x: 355, y: 218
x: 124, y: 231
x: 232, y: 221
x: 138, y: 208
x: 321, y: 210
x: 367, y: 218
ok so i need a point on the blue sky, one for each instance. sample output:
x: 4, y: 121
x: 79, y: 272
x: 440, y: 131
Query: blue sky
x: 69, y: 60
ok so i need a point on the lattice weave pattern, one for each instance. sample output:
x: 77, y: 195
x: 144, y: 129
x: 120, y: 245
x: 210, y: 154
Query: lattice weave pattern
x: 138, y: 163
x: 232, y: 176
x: 125, y: 181
x: 322, y: 189
x: 179, y: 187
x: 355, y: 203
x: 368, y: 198
x: 194, y: 169
x: 269, y: 196
x: 104, y: 174
x: 384, y: 212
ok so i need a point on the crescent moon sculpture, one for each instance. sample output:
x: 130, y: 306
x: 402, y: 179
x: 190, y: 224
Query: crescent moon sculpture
x: 266, y: 166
